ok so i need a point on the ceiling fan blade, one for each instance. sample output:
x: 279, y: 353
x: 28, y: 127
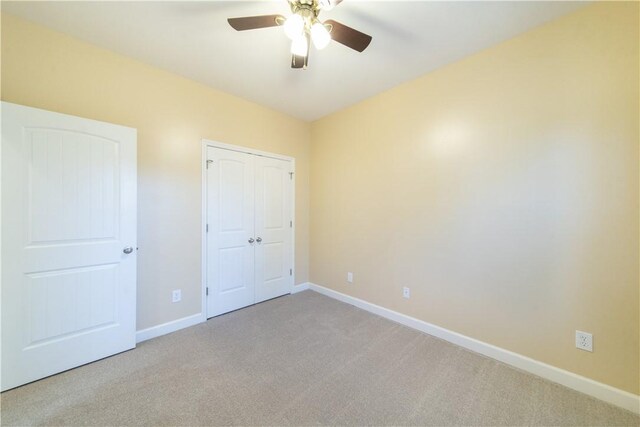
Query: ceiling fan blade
x: 348, y: 36
x: 254, y: 22
x: 297, y: 61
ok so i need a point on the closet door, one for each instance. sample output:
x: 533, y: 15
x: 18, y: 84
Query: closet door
x: 231, y: 237
x: 274, y: 232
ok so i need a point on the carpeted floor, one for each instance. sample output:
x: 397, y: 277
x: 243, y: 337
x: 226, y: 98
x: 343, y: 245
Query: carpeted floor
x: 300, y: 360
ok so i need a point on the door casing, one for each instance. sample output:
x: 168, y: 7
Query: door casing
x: 215, y: 144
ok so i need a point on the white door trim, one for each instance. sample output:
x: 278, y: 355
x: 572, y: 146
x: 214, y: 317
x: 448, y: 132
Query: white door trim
x: 203, y: 230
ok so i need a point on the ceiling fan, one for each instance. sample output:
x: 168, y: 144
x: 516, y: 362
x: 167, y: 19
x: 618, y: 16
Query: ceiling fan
x: 303, y: 27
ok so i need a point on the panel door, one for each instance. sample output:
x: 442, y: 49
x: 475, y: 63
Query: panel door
x: 274, y: 232
x: 230, y: 239
x: 68, y: 211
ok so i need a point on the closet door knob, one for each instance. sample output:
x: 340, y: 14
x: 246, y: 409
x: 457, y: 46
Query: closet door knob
x: 259, y: 239
x: 127, y: 250
x: 251, y: 240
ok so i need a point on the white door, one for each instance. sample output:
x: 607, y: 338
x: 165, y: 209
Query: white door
x: 230, y: 238
x: 68, y: 242
x: 274, y: 224
x: 250, y: 229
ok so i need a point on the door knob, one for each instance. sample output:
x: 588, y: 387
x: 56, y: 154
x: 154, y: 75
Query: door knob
x: 251, y: 240
x: 127, y: 250
x: 259, y: 239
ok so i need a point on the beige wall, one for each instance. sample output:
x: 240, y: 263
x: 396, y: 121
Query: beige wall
x: 45, y: 69
x: 503, y: 190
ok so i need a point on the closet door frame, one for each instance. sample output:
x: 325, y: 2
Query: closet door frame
x: 216, y: 144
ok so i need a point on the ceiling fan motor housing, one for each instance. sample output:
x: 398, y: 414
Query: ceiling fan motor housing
x: 307, y: 9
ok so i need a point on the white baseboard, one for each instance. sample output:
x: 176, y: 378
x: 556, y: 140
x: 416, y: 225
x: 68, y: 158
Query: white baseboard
x: 167, y: 328
x: 577, y: 382
x: 185, y: 322
x: 300, y: 287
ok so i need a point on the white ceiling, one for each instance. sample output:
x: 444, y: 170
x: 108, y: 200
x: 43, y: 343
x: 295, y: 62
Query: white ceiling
x: 193, y: 39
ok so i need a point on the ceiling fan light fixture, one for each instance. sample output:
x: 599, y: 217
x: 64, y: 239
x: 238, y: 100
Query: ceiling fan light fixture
x: 303, y: 27
x: 300, y: 46
x: 294, y: 26
x: 320, y: 35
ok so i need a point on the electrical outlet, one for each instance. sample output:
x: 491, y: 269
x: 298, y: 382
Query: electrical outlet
x: 350, y: 277
x: 176, y: 296
x: 406, y: 292
x: 584, y: 341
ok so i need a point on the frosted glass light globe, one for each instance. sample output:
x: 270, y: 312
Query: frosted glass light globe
x: 299, y: 46
x: 293, y: 26
x: 320, y: 36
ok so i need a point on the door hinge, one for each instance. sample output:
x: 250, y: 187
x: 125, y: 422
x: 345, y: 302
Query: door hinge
x: 208, y: 163
x: 207, y: 291
x: 290, y: 224
x: 207, y: 227
x: 291, y: 272
x: 291, y: 175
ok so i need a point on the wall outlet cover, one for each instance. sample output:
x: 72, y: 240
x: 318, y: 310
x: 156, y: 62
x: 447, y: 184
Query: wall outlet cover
x: 176, y: 295
x: 584, y: 341
x: 350, y: 277
x: 406, y: 292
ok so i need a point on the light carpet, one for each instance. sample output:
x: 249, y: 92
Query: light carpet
x: 303, y: 359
